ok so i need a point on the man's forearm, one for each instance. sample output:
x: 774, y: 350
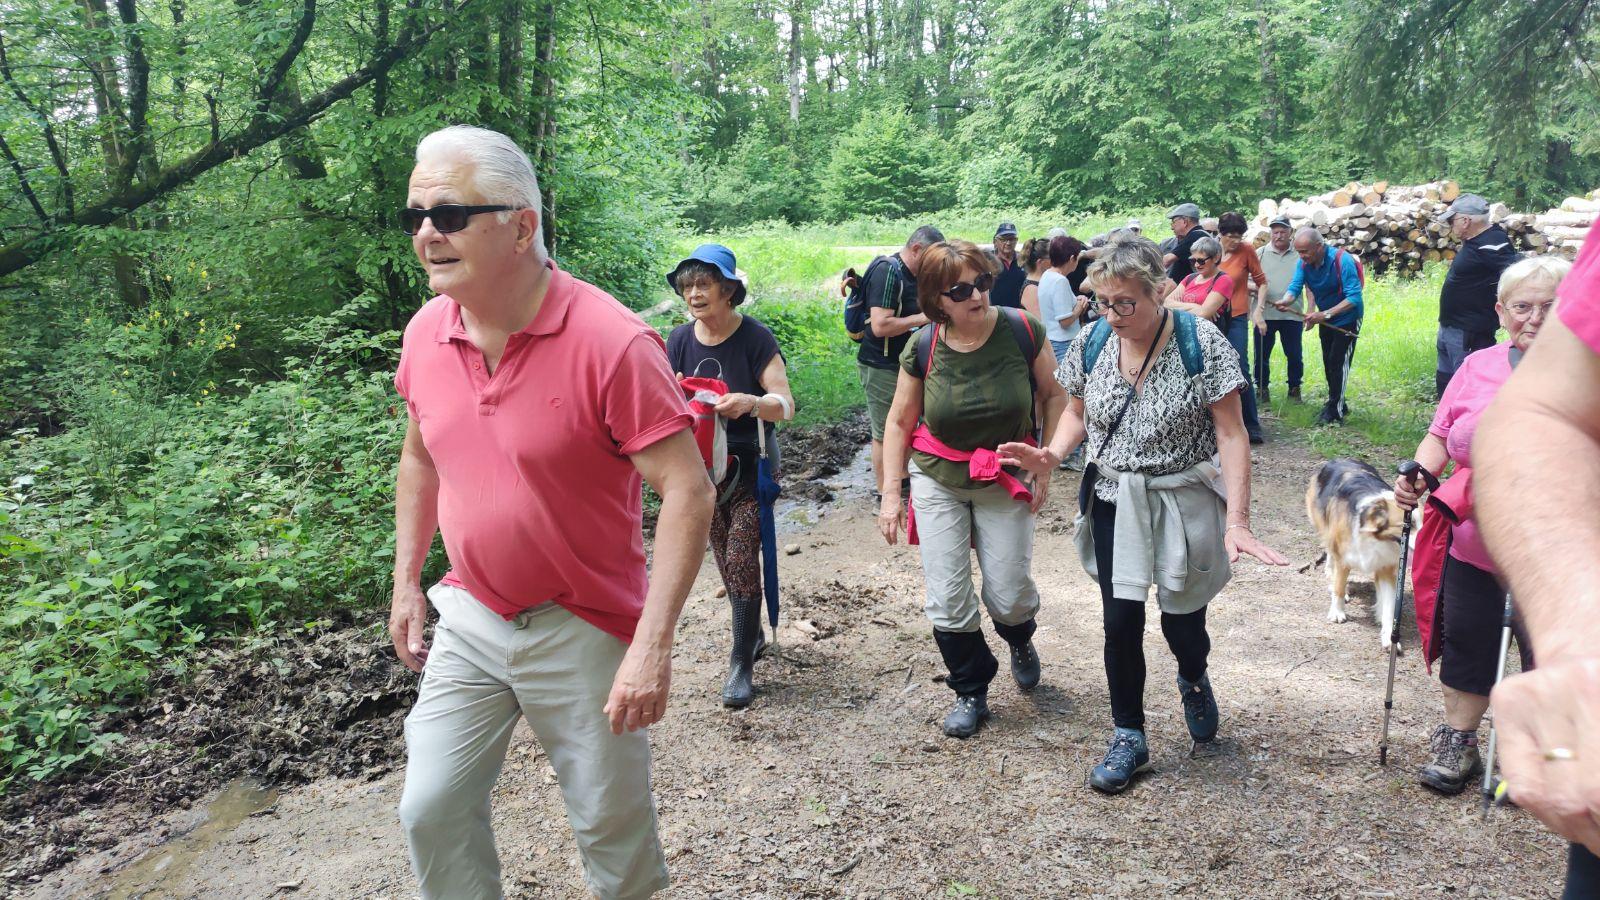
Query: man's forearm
x: 680, y: 546
x: 894, y: 326
x: 416, y: 518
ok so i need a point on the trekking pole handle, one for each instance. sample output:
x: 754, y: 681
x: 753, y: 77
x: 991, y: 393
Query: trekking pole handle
x: 1410, y: 469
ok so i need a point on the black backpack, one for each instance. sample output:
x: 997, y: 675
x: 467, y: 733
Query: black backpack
x: 1021, y: 331
x: 857, y: 311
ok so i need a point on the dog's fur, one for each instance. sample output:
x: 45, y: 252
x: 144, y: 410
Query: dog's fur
x: 1355, y: 514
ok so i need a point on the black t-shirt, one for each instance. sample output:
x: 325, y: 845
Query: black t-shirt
x: 1007, y: 290
x: 739, y: 361
x: 889, y: 285
x: 1181, y: 268
x: 1470, y: 287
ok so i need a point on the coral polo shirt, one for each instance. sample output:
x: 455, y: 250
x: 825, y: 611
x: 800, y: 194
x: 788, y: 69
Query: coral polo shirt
x: 538, y: 501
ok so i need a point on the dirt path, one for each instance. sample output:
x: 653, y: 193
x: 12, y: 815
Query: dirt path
x: 837, y: 783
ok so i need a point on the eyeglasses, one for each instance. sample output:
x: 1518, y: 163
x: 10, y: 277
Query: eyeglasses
x: 447, y: 217
x: 1524, y: 311
x: 962, y: 291
x: 1198, y: 261
x: 1123, y: 307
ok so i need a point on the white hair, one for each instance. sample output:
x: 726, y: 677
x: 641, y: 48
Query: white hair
x: 1478, y: 222
x: 1540, y: 269
x: 1057, y: 232
x: 501, y: 172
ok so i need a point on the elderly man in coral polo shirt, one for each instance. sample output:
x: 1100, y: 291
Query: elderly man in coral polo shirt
x: 536, y: 404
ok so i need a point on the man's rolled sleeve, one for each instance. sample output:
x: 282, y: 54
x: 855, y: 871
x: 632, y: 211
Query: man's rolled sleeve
x: 642, y: 401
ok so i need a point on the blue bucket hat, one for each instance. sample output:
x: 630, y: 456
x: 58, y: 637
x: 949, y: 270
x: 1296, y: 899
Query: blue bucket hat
x: 719, y: 258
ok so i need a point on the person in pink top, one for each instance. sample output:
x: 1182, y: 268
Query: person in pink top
x: 537, y: 405
x: 1470, y: 599
x: 1538, y: 458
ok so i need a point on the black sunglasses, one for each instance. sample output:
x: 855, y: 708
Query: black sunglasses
x: 962, y: 291
x: 447, y: 217
x: 1199, y: 260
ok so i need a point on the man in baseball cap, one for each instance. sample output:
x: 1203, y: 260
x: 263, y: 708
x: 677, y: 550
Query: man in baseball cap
x: 1185, y: 218
x: 1467, y: 320
x: 1007, y: 290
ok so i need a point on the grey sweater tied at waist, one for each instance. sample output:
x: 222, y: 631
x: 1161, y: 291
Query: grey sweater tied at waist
x: 1169, y: 532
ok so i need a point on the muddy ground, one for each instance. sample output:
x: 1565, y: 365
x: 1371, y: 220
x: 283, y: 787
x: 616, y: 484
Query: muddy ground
x: 837, y: 782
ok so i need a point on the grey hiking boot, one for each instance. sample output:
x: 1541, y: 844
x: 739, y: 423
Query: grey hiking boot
x: 1455, y: 762
x: 1127, y: 756
x: 1199, y: 708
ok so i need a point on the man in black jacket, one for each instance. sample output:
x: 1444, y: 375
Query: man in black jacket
x: 1467, y: 319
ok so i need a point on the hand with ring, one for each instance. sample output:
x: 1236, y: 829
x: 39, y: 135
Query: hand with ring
x: 1548, y: 722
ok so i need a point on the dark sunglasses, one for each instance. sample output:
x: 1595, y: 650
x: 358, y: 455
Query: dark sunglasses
x: 1199, y: 260
x: 447, y: 217
x: 962, y: 291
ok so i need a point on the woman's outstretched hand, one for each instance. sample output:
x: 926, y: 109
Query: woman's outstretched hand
x: 1240, y: 539
x: 1036, y: 461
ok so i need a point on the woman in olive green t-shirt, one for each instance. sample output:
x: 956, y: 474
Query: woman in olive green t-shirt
x: 972, y: 392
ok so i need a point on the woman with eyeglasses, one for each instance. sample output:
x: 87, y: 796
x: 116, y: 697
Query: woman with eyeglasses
x: 1155, y: 393
x: 720, y: 342
x: 1204, y: 291
x: 970, y: 377
x: 1453, y: 574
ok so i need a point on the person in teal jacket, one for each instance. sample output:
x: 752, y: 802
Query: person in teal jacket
x: 1334, y: 280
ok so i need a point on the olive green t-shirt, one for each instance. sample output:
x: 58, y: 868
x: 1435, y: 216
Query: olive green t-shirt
x: 976, y: 399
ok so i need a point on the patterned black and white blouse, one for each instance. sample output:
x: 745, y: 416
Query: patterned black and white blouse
x: 1168, y: 427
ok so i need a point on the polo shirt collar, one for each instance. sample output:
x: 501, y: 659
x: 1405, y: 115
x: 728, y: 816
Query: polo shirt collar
x: 551, y: 317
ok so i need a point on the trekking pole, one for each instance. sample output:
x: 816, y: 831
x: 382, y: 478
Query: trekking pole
x: 1500, y: 673
x: 1409, y: 470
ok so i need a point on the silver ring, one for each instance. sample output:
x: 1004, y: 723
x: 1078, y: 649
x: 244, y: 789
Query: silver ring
x: 1560, y: 754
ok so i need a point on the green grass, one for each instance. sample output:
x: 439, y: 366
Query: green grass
x: 791, y: 271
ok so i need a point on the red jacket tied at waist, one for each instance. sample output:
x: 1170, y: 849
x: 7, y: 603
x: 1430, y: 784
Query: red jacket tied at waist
x: 982, y: 464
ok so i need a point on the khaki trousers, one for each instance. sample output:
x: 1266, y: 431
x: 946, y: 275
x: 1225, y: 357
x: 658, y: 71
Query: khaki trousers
x: 555, y: 670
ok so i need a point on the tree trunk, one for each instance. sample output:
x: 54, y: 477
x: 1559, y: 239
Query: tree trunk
x: 793, y: 70
x: 109, y: 116
x: 544, y: 134
x: 1271, y: 102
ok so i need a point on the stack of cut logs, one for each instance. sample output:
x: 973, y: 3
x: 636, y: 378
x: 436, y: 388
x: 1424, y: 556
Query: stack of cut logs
x: 1393, y: 228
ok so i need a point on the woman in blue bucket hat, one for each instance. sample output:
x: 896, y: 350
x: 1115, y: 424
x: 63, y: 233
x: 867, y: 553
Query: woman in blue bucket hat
x: 720, y: 342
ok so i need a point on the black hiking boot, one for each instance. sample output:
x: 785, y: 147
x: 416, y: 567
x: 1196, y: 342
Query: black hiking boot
x: 738, y: 690
x: 1455, y: 762
x: 966, y: 717
x: 1025, y: 667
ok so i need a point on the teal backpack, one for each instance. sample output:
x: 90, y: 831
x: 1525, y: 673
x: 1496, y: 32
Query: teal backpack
x: 1183, y: 325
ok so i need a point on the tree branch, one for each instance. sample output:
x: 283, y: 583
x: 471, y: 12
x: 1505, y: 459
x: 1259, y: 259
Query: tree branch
x: 22, y: 179
x: 20, y: 254
x: 268, y: 91
x: 56, y: 156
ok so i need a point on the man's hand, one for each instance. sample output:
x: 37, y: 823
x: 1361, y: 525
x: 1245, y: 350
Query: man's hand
x: 408, y: 612
x: 1282, y: 305
x: 1548, y: 720
x: 639, y: 692
x: 1315, y: 317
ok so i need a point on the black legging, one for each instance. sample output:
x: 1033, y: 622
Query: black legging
x: 1124, y: 622
x: 1583, y: 875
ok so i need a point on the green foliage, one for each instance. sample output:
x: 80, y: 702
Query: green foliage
x: 885, y: 166
x: 760, y: 180
x: 223, y: 512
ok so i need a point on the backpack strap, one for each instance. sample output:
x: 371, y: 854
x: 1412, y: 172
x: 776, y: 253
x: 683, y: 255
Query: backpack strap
x: 1183, y: 325
x: 927, y: 336
x: 1099, y: 333
x: 1027, y: 342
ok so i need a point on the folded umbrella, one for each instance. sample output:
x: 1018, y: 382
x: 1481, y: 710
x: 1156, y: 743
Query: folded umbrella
x: 767, y: 491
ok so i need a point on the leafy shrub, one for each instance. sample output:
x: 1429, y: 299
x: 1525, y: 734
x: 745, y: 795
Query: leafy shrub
x: 222, y: 513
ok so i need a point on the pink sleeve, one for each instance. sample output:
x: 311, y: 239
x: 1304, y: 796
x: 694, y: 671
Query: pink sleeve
x: 402, y: 382
x: 1224, y: 285
x: 642, y: 401
x: 1579, y: 306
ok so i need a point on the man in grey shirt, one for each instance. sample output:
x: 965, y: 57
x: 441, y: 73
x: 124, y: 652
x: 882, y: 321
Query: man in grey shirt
x: 1278, y: 260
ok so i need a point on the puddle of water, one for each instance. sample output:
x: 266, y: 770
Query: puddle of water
x: 162, y: 868
x: 850, y: 484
